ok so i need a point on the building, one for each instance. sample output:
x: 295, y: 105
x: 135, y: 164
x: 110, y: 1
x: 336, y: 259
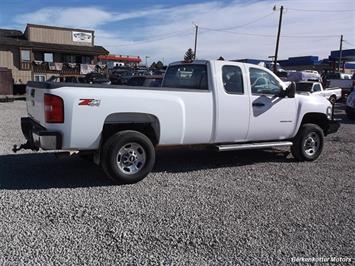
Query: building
x: 43, y: 51
x: 347, y: 60
x: 120, y: 60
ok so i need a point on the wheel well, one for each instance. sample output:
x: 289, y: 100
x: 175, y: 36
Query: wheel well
x: 316, y: 118
x: 146, y: 124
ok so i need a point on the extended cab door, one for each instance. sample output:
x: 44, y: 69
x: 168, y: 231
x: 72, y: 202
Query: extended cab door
x: 231, y: 102
x: 271, y: 117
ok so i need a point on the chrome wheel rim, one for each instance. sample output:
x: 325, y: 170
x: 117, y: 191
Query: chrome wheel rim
x: 311, y: 144
x: 131, y: 158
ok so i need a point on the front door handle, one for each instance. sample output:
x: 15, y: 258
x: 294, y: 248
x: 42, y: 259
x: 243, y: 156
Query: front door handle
x: 258, y: 104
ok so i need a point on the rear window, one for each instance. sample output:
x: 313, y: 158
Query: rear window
x: 305, y: 87
x: 187, y: 77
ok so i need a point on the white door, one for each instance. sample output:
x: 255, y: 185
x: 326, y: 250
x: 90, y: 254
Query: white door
x: 272, y: 117
x: 232, y: 103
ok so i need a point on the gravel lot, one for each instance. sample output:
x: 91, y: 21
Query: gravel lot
x: 196, y: 208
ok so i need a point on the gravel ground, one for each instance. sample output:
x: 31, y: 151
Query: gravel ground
x: 196, y: 208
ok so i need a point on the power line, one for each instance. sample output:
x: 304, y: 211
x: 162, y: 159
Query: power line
x: 269, y: 35
x: 134, y: 43
x: 250, y: 22
x: 179, y: 33
x: 349, y: 43
x: 322, y: 10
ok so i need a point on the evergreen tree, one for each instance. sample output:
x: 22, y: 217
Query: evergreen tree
x: 159, y: 65
x: 189, y: 55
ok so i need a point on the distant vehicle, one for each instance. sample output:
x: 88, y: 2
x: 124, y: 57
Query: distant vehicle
x: 350, y: 105
x: 145, y: 81
x: 96, y: 78
x: 68, y: 79
x: 91, y: 78
x: 344, y: 81
x: 316, y: 88
x: 307, y: 75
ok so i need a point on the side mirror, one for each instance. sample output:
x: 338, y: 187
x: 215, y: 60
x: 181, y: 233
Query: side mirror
x: 291, y: 90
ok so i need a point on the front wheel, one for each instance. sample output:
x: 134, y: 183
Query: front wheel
x: 128, y: 157
x: 333, y: 99
x: 308, y: 143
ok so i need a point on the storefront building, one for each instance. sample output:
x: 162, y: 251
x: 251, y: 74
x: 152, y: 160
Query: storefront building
x: 43, y: 51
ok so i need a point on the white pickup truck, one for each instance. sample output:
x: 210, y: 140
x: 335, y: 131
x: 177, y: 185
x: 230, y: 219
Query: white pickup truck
x: 316, y: 88
x: 219, y: 104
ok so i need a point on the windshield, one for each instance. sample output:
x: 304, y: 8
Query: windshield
x: 304, y: 87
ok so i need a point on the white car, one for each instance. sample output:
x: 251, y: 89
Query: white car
x: 220, y: 104
x: 316, y: 88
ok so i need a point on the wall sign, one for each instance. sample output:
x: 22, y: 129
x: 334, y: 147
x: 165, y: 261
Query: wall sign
x: 79, y: 36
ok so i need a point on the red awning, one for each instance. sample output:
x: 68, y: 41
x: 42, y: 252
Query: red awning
x: 135, y: 59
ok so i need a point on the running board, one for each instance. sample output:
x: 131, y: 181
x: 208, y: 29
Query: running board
x: 250, y: 146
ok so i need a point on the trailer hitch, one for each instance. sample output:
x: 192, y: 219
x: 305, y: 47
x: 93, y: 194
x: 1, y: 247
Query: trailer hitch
x: 26, y: 146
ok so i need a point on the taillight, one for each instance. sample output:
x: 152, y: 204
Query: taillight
x: 53, y: 108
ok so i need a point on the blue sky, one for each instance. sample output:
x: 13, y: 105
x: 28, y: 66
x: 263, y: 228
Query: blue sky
x: 164, y: 30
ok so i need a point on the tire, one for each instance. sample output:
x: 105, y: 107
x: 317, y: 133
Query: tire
x: 128, y: 157
x: 333, y: 99
x: 308, y: 143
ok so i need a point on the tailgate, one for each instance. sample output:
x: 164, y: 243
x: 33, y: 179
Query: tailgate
x: 35, y: 101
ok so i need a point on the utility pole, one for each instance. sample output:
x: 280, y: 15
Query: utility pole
x: 278, y: 38
x: 196, y: 31
x: 146, y: 61
x: 340, y: 51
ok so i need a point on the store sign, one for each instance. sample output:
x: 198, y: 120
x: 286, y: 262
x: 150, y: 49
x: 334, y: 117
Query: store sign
x: 79, y: 36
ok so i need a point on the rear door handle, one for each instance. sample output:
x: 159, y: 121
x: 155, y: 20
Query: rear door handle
x: 258, y: 104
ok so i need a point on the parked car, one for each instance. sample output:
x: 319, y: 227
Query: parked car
x: 68, y: 79
x: 217, y: 104
x: 96, y: 78
x: 350, y: 105
x: 306, y: 75
x: 316, y: 88
x: 91, y: 78
x: 344, y: 81
x: 145, y: 81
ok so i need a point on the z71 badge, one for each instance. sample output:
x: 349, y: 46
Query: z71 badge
x: 89, y: 102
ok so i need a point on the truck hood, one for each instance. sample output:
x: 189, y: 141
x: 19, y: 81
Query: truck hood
x: 314, y: 104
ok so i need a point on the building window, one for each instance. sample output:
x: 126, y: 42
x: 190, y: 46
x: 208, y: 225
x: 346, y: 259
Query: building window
x: 25, y: 56
x: 25, y: 59
x: 48, y: 57
x: 85, y: 60
x: 40, y: 78
x: 69, y: 59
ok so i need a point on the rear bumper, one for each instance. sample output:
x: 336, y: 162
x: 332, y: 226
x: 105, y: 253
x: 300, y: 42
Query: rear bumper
x: 39, y: 137
x: 333, y: 127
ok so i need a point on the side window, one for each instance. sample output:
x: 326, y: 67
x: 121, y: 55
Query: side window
x: 263, y: 82
x: 232, y: 79
x: 187, y: 76
x: 316, y: 87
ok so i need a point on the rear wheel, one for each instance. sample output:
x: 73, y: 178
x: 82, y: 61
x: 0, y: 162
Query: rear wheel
x: 308, y: 143
x: 128, y: 157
